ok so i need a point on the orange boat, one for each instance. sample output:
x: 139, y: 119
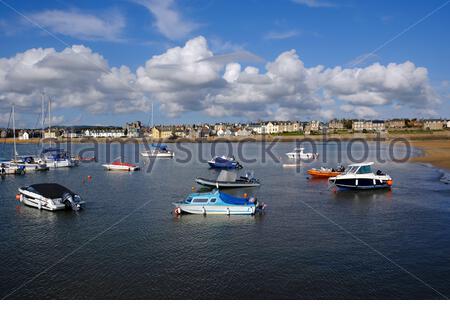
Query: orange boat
x: 323, y: 173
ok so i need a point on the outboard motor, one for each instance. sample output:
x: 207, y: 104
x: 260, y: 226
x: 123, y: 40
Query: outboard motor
x: 71, y: 201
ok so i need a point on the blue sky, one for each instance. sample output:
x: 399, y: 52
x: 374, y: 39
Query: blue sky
x: 234, y: 35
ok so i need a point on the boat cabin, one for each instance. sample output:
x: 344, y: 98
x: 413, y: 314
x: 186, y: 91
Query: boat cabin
x: 361, y: 168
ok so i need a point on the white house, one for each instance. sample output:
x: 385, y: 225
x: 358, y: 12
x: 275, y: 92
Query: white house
x: 24, y: 136
x: 112, y: 133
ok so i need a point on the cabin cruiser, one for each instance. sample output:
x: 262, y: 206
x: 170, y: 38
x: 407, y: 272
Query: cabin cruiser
x: 228, y: 179
x: 224, y: 162
x: 30, y: 163
x: 218, y: 203
x: 49, y: 196
x: 121, y: 166
x: 361, y: 176
x: 299, y: 154
x: 57, y: 158
x: 7, y: 168
x: 158, y: 151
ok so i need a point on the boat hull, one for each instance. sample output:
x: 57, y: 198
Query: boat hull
x: 225, y: 184
x: 59, y: 163
x: 113, y: 167
x: 164, y: 155
x: 216, y: 210
x: 361, y: 183
x: 323, y: 174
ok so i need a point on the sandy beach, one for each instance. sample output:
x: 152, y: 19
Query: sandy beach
x: 436, y: 152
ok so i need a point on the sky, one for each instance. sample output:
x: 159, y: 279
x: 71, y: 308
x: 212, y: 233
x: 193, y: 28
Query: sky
x: 108, y: 62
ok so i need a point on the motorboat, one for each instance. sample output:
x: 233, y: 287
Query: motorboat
x: 49, y: 196
x: 224, y: 162
x: 299, y: 154
x: 326, y: 172
x: 229, y: 179
x: 361, y: 176
x: 121, y: 166
x: 31, y: 163
x: 158, y: 151
x: 57, y: 158
x: 7, y: 168
x: 218, y: 203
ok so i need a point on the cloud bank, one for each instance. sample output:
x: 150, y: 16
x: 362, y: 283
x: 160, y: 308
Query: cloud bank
x: 191, y: 78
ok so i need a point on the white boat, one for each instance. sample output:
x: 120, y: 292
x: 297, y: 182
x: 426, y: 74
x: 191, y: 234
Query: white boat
x: 158, y: 151
x: 299, y: 153
x: 218, y: 203
x: 229, y: 179
x: 7, y: 168
x: 49, y: 196
x: 30, y: 163
x: 361, y: 176
x: 121, y: 166
x: 57, y: 158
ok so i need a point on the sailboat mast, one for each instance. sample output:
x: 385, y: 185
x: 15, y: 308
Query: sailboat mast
x: 49, y: 116
x: 42, y: 114
x: 14, y: 131
x: 152, y: 113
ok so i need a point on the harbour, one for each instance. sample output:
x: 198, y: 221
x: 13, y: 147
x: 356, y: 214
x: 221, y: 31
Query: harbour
x: 311, y: 242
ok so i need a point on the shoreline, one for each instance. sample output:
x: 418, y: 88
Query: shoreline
x: 435, y: 145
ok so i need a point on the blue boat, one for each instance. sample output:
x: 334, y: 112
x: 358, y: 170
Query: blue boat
x: 224, y: 162
x: 57, y: 158
x: 218, y: 203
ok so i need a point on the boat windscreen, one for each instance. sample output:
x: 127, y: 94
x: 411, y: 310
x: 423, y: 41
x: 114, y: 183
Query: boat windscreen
x: 49, y: 190
x: 227, y: 176
x: 232, y: 200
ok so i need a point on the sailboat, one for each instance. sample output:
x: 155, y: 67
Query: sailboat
x: 11, y: 167
x: 55, y: 157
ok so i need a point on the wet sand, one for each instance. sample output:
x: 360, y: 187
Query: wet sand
x: 436, y: 152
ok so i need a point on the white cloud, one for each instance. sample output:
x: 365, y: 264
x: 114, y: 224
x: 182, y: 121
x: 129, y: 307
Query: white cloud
x: 281, y: 35
x: 82, y: 25
x: 315, y: 3
x: 191, y: 78
x: 169, y: 20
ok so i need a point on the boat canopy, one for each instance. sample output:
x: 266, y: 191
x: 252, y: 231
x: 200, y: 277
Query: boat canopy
x: 49, y: 190
x: 232, y: 200
x: 361, y: 164
x: 222, y: 160
x: 159, y: 146
x: 227, y: 176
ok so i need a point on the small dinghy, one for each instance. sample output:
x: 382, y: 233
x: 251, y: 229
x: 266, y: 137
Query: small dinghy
x: 224, y: 162
x: 326, y: 172
x: 158, y: 151
x: 299, y: 154
x: 228, y: 179
x: 218, y: 203
x: 361, y: 177
x: 49, y: 196
x: 121, y: 166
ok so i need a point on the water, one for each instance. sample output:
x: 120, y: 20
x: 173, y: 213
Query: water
x: 312, y: 243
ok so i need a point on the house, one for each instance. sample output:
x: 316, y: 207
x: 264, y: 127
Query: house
x: 396, y: 124
x: 104, y: 133
x: 362, y: 125
x: 289, y: 126
x: 72, y: 135
x: 257, y: 128
x: 336, y: 125
x: 134, y: 129
x: 378, y: 125
x: 49, y: 135
x: 24, y: 135
x: 243, y: 132
x: 162, y: 132
x: 448, y: 124
x: 433, y: 124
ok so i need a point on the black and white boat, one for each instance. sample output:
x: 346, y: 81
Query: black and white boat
x: 361, y: 176
x: 229, y: 179
x: 49, y: 196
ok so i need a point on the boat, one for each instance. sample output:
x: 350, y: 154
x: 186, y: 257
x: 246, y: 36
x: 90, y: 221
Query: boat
x: 218, y: 203
x: 30, y: 163
x: 228, y: 179
x: 49, y: 196
x: 7, y: 168
x: 299, y: 154
x: 57, y: 158
x: 326, y: 172
x: 224, y: 162
x: 121, y: 166
x: 158, y: 151
x: 361, y: 176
